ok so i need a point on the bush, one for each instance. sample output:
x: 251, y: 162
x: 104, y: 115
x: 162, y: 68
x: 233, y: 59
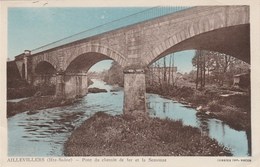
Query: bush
x: 199, y: 98
x: 184, y: 92
x: 240, y: 101
x: 214, y: 106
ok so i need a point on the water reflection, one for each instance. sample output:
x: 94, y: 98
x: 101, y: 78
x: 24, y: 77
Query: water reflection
x: 234, y: 140
x: 203, y: 125
x: 44, y: 132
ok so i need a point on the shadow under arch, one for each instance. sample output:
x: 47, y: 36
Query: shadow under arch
x: 44, y: 67
x: 84, y: 62
x: 44, y: 74
x: 93, y: 53
x: 75, y: 75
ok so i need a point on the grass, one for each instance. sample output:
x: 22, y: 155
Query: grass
x: 105, y: 135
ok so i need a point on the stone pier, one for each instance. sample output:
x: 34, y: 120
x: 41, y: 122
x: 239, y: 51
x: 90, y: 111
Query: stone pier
x: 134, y: 91
x: 71, y: 85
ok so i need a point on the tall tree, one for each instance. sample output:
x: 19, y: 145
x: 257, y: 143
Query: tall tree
x: 164, y: 71
x: 204, y: 70
x: 169, y: 71
x: 201, y: 69
x: 173, y: 69
x: 220, y: 67
x: 196, y: 63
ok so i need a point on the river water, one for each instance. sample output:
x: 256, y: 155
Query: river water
x: 44, y: 133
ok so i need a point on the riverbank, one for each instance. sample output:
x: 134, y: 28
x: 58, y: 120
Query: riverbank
x: 38, y: 97
x: 21, y: 89
x: 231, y: 107
x: 35, y: 103
x: 124, y: 135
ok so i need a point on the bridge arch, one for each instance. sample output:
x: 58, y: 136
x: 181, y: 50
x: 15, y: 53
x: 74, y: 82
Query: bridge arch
x: 86, y: 56
x: 83, y: 62
x: 44, y: 74
x: 73, y: 80
x: 40, y: 61
x: 44, y: 67
x: 232, y: 40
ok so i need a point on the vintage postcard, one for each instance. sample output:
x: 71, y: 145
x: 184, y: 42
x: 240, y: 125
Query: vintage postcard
x: 142, y: 83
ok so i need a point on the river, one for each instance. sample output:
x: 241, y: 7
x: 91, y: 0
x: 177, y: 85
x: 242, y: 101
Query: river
x: 44, y: 133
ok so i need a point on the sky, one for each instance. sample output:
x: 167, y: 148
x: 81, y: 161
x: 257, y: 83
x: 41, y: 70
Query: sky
x: 30, y: 28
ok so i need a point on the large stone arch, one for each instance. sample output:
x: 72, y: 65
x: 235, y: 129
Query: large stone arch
x: 102, y: 52
x: 218, y: 40
x: 226, y: 21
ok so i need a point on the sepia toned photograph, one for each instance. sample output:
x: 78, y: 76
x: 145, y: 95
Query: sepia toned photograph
x: 128, y: 81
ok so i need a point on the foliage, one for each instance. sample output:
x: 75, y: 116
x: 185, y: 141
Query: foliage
x: 218, y: 67
x: 114, y: 75
x: 214, y: 106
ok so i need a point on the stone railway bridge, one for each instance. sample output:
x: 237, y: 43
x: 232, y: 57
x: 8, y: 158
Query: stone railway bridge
x: 224, y: 29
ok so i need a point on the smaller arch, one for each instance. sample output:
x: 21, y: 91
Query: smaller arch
x: 98, y: 50
x: 44, y: 67
x: 45, y: 75
x: 84, y: 62
x: 50, y: 58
